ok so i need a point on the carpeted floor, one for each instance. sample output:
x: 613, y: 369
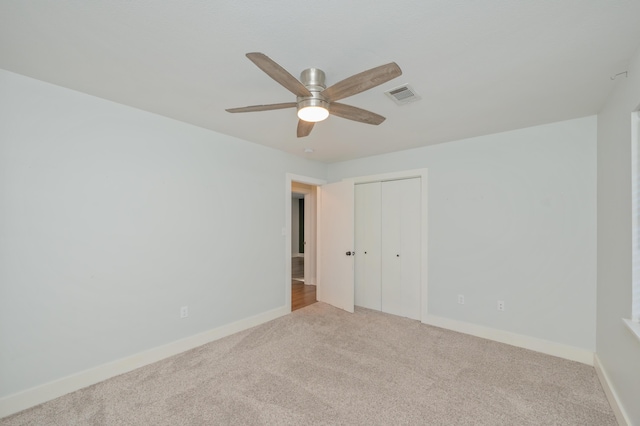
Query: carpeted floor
x: 323, y: 366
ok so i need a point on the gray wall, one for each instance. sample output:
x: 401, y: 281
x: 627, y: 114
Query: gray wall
x: 617, y: 349
x: 112, y: 218
x: 512, y: 216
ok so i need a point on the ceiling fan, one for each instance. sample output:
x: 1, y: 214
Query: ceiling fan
x: 314, y: 100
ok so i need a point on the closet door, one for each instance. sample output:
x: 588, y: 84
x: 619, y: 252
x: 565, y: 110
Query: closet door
x: 367, y: 245
x: 400, y: 247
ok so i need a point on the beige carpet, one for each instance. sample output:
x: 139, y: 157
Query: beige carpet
x: 323, y: 366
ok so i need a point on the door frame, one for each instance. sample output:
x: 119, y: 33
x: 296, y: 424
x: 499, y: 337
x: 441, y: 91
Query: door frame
x: 286, y: 231
x: 408, y: 174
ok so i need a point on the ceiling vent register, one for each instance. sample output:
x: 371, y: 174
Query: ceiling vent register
x: 403, y: 95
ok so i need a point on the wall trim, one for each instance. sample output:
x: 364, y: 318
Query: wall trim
x: 560, y: 350
x: 39, y: 394
x: 610, y: 392
x: 633, y: 326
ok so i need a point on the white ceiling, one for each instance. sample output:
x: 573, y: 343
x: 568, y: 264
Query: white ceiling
x: 481, y: 66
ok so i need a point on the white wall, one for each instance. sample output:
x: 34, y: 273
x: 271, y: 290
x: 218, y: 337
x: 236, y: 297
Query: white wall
x: 112, y: 218
x: 617, y: 349
x: 512, y: 216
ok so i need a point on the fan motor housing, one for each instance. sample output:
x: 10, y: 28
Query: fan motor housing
x: 313, y: 102
x: 313, y: 79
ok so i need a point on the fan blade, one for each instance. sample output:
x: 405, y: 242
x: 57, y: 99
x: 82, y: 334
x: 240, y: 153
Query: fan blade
x: 278, y: 73
x: 304, y: 128
x: 263, y: 107
x: 362, y: 81
x: 356, y: 114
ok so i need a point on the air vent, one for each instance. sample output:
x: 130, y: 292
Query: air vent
x: 403, y: 94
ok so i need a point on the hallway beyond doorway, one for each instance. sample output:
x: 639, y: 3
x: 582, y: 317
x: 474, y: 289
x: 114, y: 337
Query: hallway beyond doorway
x: 301, y: 295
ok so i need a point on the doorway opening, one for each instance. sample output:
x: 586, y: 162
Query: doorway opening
x: 301, y: 242
x: 303, y: 233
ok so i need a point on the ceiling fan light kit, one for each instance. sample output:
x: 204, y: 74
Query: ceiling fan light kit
x: 313, y: 113
x: 314, y: 101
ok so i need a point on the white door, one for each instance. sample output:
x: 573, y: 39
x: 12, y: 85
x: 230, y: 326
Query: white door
x: 401, y: 256
x: 367, y: 246
x: 411, y: 253
x: 391, y: 262
x: 335, y: 263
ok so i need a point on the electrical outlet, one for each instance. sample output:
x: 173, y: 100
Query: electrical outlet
x: 184, y: 312
x: 501, y: 305
x: 461, y: 299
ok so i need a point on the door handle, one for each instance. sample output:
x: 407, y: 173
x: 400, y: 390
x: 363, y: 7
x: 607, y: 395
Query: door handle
x: 349, y: 253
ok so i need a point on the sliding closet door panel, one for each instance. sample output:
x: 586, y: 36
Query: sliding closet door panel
x: 400, y: 224
x: 410, y: 221
x: 387, y: 246
x: 391, y: 247
x: 367, y: 245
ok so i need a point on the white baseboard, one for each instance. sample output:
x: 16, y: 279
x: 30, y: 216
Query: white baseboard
x: 612, y: 395
x: 37, y: 395
x: 532, y: 343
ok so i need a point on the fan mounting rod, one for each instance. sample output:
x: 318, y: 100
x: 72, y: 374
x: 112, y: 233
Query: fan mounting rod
x: 313, y: 79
